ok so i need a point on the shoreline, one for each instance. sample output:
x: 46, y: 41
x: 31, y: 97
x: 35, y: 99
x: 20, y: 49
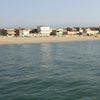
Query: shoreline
x: 38, y: 40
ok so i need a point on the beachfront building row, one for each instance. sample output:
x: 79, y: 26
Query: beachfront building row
x: 82, y: 31
x: 47, y: 31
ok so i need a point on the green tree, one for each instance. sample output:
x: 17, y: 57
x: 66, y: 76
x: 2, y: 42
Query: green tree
x: 3, y: 32
x: 17, y: 32
x: 34, y: 31
x: 53, y: 33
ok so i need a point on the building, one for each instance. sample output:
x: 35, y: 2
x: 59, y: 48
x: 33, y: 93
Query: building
x: 59, y: 32
x: 24, y: 33
x: 44, y: 30
x: 72, y: 31
x: 11, y: 32
x: 91, y: 31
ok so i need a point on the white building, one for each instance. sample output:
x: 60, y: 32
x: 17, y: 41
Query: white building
x: 91, y: 32
x: 59, y: 32
x: 44, y: 30
x: 24, y: 33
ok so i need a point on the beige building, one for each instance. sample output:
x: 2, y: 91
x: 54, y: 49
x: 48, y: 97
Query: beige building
x: 11, y: 32
x: 72, y: 32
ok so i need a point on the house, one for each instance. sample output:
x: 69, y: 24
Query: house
x: 72, y: 31
x: 44, y: 30
x: 92, y: 31
x: 11, y: 32
x: 59, y: 32
x: 24, y: 33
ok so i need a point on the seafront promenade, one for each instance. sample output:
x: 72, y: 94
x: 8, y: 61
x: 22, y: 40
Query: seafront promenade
x: 51, y: 39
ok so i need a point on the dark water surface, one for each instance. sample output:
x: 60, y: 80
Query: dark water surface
x: 62, y: 71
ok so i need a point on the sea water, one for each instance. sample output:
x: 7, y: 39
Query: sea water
x: 59, y: 71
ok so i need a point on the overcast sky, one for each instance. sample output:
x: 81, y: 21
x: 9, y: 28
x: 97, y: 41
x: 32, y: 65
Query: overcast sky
x: 29, y: 13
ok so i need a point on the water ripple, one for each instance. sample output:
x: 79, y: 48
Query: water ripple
x: 60, y: 71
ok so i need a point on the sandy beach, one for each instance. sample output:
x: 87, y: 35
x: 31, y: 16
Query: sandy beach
x: 34, y: 40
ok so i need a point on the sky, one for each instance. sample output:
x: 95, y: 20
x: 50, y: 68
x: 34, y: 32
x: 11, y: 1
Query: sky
x: 55, y: 13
